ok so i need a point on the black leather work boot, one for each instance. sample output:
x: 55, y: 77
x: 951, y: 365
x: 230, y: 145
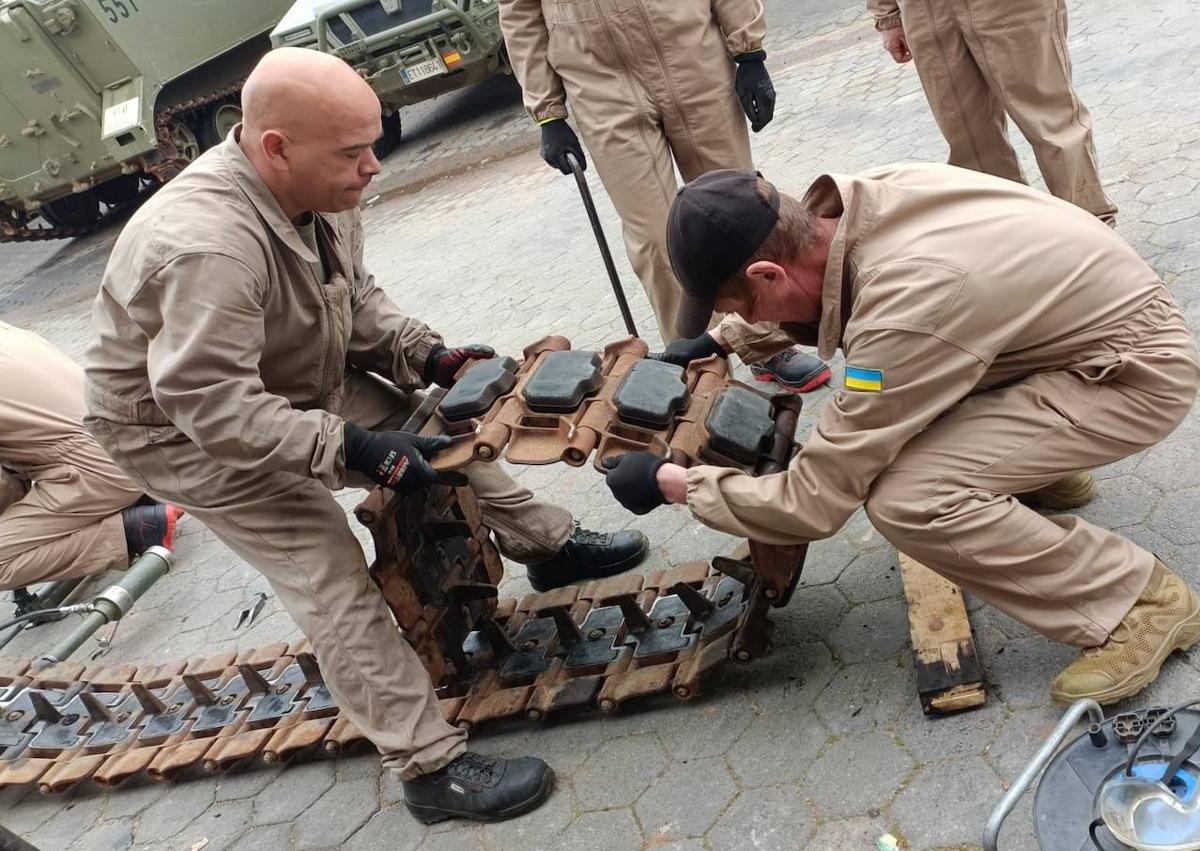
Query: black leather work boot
x: 479, y: 788
x: 589, y: 555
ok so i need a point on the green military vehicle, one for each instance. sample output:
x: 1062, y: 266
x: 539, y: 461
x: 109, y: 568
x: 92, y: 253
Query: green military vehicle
x: 101, y: 98
x: 408, y: 50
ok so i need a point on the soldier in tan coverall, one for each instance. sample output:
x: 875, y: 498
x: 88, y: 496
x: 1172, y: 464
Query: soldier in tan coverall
x: 996, y: 339
x: 980, y: 60
x: 234, y: 337
x: 65, y: 509
x: 652, y: 86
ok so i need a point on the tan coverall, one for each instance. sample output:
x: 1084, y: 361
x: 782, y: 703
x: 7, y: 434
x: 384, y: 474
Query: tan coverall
x: 1018, y: 339
x: 651, y: 87
x: 223, y: 363
x: 980, y: 59
x: 62, y: 496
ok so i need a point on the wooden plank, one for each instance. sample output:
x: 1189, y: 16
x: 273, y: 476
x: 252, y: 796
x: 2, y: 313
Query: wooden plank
x: 949, y: 678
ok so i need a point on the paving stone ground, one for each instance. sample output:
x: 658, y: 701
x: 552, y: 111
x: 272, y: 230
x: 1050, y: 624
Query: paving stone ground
x: 821, y: 745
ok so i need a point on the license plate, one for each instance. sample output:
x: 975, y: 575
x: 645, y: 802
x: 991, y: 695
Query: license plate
x: 423, y: 70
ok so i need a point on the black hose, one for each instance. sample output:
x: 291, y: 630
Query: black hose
x: 28, y: 616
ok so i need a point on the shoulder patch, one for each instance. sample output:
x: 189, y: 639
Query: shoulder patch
x: 858, y: 378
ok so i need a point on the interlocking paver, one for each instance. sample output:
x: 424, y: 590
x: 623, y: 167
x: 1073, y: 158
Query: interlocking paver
x: 871, y: 631
x: 957, y: 818
x: 293, y: 792
x: 686, y: 799
x: 391, y: 827
x: 773, y: 818
x: 612, y: 830
x: 777, y: 748
x: 217, y: 828
x: 173, y: 811
x: 522, y: 255
x: 856, y: 774
x: 106, y: 836
x: 618, y: 772
x: 343, y: 809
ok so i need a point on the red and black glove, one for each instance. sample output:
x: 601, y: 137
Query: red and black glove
x: 443, y: 364
x: 396, y: 459
x: 633, y: 480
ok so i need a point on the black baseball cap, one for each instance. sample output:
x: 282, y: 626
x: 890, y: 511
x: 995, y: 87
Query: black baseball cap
x: 716, y: 224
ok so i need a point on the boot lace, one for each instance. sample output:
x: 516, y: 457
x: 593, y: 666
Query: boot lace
x: 588, y: 538
x: 475, y: 768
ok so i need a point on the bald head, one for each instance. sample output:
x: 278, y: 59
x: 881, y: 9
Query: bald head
x: 308, y: 124
x: 298, y: 90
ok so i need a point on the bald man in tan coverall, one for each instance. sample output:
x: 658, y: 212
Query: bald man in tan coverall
x: 244, y: 363
x: 60, y: 509
x: 979, y: 60
x: 996, y: 339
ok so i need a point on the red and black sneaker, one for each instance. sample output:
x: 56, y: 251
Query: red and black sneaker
x: 794, y: 370
x: 150, y: 526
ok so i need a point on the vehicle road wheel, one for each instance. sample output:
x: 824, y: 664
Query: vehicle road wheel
x: 184, y: 139
x: 390, y: 140
x: 74, y: 211
x: 216, y: 122
x: 120, y: 190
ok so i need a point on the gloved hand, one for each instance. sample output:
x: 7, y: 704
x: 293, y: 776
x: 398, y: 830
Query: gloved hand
x: 754, y: 89
x: 443, y: 364
x: 558, y: 139
x: 633, y: 480
x: 396, y: 459
x: 683, y: 352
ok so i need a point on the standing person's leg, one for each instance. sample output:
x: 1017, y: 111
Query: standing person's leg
x: 968, y: 112
x: 69, y: 522
x: 948, y: 501
x: 1022, y: 47
x: 633, y: 160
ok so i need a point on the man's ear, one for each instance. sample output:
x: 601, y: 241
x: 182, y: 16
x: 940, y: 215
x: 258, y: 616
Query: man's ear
x: 766, y: 272
x: 274, y: 145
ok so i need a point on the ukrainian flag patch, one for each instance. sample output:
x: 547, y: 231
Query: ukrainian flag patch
x: 858, y: 378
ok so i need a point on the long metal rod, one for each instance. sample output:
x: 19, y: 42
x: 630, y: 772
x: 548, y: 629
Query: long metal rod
x: 590, y: 206
x: 112, y: 603
x: 54, y: 594
x: 991, y: 831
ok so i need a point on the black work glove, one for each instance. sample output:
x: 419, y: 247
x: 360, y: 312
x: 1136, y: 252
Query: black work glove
x: 683, y: 352
x: 632, y: 478
x: 754, y: 89
x: 558, y: 140
x: 396, y: 459
x: 443, y: 364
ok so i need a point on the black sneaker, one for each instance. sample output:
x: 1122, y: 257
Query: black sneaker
x: 479, y: 788
x: 150, y: 526
x: 793, y: 369
x: 589, y: 555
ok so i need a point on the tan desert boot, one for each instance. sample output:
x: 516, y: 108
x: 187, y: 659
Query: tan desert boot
x: 1068, y: 492
x: 1166, y: 617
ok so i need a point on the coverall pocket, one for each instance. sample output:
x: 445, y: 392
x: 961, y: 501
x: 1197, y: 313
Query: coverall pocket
x: 569, y: 12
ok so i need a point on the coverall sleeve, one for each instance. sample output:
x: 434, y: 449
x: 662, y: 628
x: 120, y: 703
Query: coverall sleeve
x: 858, y: 435
x: 382, y: 338
x: 203, y: 317
x: 743, y: 24
x: 528, y: 40
x: 885, y: 12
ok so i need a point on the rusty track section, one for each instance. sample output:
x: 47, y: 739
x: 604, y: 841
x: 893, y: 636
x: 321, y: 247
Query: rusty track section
x: 163, y: 163
x: 601, y: 645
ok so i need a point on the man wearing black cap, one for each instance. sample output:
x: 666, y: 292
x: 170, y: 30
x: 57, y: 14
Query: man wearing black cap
x: 996, y: 340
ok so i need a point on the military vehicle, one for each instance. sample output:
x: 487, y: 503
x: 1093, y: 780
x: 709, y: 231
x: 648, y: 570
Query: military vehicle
x: 100, y: 99
x: 408, y: 50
